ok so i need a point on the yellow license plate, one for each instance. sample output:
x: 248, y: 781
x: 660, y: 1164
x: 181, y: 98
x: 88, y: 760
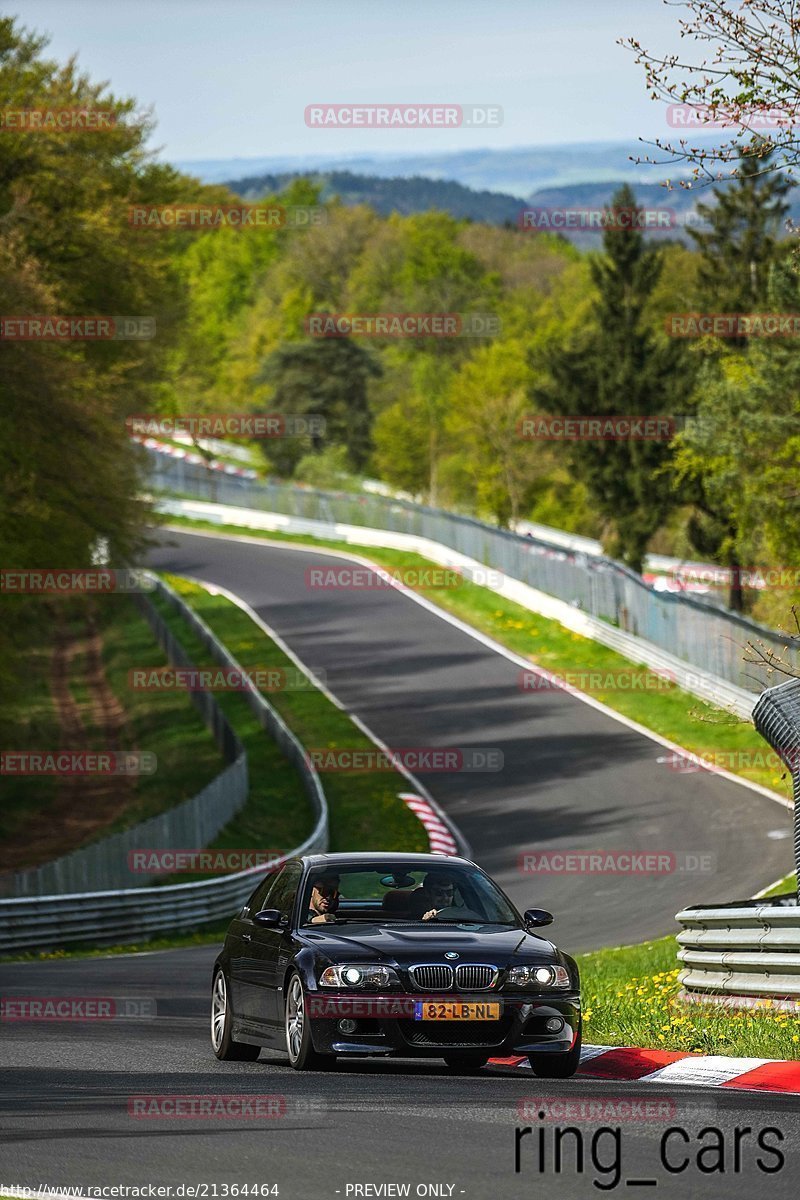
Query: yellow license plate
x: 454, y: 1010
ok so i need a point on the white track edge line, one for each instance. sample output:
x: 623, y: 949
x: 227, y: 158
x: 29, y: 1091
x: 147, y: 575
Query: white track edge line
x: 496, y: 647
x: 214, y: 588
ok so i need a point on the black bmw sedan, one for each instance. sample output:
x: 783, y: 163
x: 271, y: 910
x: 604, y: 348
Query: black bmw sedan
x: 410, y: 955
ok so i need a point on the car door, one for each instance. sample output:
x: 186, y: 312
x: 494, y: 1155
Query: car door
x: 270, y: 948
x: 244, y: 965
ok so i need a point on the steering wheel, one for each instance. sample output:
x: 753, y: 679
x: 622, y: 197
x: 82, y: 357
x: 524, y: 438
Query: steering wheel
x: 455, y: 913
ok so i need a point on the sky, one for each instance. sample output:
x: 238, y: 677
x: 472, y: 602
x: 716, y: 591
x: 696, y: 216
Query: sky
x: 233, y: 77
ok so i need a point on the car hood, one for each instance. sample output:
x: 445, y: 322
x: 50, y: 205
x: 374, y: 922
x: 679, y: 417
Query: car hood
x: 395, y: 944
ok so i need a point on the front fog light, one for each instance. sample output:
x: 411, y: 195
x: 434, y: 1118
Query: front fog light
x: 554, y: 1025
x: 348, y: 1026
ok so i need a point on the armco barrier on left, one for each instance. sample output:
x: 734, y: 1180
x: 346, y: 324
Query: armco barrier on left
x: 131, y: 914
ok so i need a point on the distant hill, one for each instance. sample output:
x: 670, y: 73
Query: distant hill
x: 406, y: 196
x: 420, y: 194
x: 516, y: 170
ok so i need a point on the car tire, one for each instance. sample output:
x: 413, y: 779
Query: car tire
x: 222, y: 1042
x: 466, y: 1061
x: 557, y: 1066
x: 297, y: 1027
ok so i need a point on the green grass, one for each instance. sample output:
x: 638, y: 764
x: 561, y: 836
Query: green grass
x: 630, y: 999
x: 29, y: 720
x: 788, y: 884
x: 364, y: 810
x: 166, y: 724
x: 663, y: 708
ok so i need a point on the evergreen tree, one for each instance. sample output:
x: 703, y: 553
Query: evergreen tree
x: 741, y: 243
x: 619, y: 366
x: 738, y: 255
x: 328, y: 378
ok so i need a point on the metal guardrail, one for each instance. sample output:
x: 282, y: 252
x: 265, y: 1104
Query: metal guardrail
x: 748, y: 949
x: 710, y: 638
x: 127, y: 914
x: 751, y: 948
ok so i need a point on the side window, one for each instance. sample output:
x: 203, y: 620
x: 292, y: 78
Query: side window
x: 259, y: 897
x: 285, y: 889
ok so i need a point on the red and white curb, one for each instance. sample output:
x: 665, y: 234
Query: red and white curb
x: 439, y: 835
x: 617, y: 1063
x: 190, y: 456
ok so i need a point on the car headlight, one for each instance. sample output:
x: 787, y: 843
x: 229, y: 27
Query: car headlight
x: 542, y: 977
x: 357, y: 975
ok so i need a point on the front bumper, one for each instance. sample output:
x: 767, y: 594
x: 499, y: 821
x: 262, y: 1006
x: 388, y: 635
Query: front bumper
x: 520, y: 1028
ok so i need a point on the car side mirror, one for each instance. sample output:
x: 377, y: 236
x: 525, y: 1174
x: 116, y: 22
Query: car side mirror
x: 537, y: 917
x: 270, y: 918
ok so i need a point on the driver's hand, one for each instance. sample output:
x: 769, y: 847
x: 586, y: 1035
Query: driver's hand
x: 432, y: 912
x: 323, y: 919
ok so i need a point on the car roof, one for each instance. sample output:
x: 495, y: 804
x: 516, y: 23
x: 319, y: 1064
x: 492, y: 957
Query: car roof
x: 381, y: 856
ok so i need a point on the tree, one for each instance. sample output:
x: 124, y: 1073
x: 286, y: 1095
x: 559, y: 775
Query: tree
x: 748, y: 82
x: 488, y: 400
x: 740, y: 245
x: 327, y: 378
x: 69, y: 471
x: 71, y: 475
x: 618, y: 366
x: 741, y: 451
x: 737, y: 257
x: 418, y: 265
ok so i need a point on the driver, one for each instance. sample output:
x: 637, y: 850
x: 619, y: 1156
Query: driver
x: 437, y: 892
x: 324, y: 901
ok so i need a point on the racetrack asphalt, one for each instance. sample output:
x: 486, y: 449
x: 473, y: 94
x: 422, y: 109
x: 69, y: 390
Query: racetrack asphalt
x: 574, y: 778
x: 67, y: 1091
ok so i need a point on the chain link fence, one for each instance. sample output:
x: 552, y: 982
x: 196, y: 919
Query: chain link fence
x: 712, y: 639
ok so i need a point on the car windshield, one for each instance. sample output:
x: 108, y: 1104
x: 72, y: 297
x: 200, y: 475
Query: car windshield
x: 385, y: 893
